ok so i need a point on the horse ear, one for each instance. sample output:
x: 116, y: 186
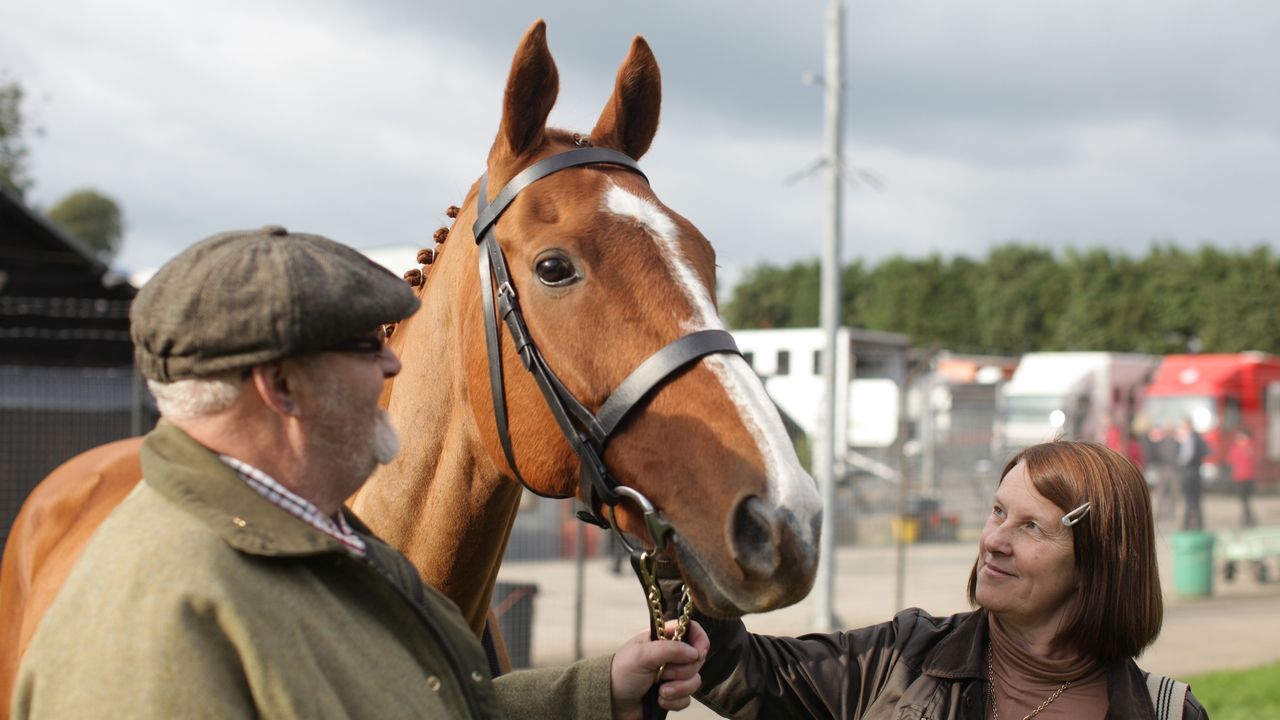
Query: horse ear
x: 630, y: 119
x: 532, y: 87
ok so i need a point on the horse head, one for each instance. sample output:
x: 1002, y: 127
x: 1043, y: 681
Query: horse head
x: 606, y: 275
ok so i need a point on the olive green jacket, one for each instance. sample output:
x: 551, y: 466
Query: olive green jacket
x: 198, y: 598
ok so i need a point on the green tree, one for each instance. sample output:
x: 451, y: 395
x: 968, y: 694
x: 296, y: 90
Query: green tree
x: 1022, y: 298
x: 899, y: 296
x: 1018, y: 297
x: 1105, y: 306
x: 93, y: 218
x: 929, y: 299
x: 13, y: 148
x: 1171, y: 285
x: 853, y: 286
x: 1239, y: 301
x: 771, y: 297
x: 954, y: 307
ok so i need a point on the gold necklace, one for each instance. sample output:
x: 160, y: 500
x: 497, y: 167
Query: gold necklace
x: 991, y: 688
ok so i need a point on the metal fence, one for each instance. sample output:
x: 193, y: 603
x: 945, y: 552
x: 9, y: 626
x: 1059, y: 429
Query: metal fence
x: 50, y: 414
x: 950, y: 501
x: 941, y: 478
x: 917, y: 491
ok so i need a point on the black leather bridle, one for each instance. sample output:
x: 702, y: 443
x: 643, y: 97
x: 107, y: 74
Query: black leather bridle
x: 586, y: 432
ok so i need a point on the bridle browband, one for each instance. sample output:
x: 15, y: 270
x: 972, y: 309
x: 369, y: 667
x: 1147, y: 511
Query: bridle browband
x: 586, y: 432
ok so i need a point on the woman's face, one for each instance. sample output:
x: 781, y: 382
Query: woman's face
x: 1026, y: 566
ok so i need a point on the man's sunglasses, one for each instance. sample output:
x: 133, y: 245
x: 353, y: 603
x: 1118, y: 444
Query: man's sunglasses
x: 370, y: 344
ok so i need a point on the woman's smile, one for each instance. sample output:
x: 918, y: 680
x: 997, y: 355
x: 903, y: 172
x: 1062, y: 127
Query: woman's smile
x: 996, y: 571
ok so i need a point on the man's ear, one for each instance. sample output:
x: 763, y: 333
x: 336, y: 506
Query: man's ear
x: 276, y: 387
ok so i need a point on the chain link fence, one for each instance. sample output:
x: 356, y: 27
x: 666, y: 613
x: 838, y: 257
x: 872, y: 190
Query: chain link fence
x: 934, y: 488
x: 923, y: 492
x: 50, y: 414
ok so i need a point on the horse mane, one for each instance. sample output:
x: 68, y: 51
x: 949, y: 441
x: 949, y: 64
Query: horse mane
x: 417, y: 277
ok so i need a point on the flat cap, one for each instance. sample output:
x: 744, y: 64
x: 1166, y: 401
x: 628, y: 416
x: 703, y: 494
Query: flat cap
x: 249, y: 297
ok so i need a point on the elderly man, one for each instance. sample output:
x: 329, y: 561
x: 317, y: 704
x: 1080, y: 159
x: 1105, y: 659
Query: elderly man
x: 232, y: 582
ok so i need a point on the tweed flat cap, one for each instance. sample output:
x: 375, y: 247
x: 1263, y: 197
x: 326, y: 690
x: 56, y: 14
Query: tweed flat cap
x: 243, y: 298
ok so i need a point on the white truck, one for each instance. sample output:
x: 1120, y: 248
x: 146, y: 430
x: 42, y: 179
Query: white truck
x: 1070, y: 394
x: 870, y: 372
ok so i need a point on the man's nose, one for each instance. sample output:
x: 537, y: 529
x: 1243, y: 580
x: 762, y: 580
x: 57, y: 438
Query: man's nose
x: 390, y: 362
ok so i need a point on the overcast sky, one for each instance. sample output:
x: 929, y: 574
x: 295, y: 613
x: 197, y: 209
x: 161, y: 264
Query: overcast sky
x: 1067, y: 124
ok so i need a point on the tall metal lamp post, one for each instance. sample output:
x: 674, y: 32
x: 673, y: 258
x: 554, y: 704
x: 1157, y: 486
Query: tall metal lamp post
x: 825, y: 459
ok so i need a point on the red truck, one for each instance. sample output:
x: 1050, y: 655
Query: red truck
x: 1221, y: 394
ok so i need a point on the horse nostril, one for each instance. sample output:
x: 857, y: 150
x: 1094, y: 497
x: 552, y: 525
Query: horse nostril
x: 753, y: 539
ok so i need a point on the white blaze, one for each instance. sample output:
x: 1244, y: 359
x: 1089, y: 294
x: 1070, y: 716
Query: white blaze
x: 788, y: 483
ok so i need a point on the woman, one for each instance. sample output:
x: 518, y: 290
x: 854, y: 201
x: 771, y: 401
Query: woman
x: 1067, y: 591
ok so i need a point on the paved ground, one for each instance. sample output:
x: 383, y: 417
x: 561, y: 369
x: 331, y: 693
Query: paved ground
x: 1236, y: 627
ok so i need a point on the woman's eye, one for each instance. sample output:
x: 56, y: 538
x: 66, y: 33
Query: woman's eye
x: 997, y: 511
x: 555, y: 270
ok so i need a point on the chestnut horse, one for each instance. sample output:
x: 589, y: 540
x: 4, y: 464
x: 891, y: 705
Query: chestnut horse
x: 606, y: 276
x: 47, y: 537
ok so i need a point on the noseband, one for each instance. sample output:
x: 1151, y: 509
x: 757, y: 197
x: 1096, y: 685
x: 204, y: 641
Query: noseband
x: 586, y: 432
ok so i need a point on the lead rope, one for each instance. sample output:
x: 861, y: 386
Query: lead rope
x: 648, y: 570
x: 645, y: 565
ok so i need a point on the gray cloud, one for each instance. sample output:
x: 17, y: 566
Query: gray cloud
x: 1081, y: 124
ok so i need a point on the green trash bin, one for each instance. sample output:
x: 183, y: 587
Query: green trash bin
x: 1193, y: 563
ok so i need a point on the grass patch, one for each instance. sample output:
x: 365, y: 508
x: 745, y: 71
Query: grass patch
x: 1235, y: 694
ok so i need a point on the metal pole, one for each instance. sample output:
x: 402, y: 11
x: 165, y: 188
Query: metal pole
x: 906, y: 379
x: 929, y: 431
x: 833, y: 79
x: 579, y: 584
x: 904, y: 495
x: 139, y: 400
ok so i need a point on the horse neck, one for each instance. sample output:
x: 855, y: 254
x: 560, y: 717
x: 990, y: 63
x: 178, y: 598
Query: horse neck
x: 441, y: 501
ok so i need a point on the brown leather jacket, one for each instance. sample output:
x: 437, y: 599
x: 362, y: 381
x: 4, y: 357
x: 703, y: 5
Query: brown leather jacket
x: 916, y: 666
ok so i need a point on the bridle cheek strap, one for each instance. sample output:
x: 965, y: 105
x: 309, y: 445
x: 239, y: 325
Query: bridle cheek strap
x: 586, y: 432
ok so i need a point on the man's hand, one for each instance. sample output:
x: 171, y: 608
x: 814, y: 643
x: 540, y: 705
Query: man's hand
x: 637, y: 662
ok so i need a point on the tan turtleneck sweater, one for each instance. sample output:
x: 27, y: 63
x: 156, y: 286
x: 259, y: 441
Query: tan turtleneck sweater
x: 1023, y: 681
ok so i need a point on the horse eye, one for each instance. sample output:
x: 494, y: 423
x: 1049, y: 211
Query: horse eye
x: 555, y: 270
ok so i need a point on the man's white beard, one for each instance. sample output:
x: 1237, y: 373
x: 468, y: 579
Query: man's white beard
x: 353, y: 440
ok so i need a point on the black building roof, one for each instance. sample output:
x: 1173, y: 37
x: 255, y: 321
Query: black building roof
x: 59, y: 303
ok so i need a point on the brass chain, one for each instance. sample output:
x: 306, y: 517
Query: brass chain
x: 991, y: 689
x: 648, y: 566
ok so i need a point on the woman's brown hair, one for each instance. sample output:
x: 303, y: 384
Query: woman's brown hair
x: 1118, y: 609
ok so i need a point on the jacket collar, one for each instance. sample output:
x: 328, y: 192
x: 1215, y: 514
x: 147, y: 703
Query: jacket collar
x: 962, y: 654
x: 193, y: 478
x: 1127, y: 692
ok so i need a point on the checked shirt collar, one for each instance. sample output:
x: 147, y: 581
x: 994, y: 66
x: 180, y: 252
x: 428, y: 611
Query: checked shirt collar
x: 335, y: 527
